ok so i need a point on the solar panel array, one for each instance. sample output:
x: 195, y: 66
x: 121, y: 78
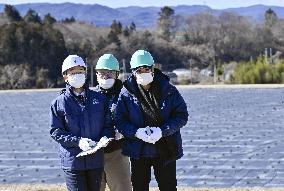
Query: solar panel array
x: 234, y: 138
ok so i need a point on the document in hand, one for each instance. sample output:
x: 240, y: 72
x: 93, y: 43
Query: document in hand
x: 99, y: 145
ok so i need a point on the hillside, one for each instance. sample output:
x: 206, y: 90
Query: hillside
x: 144, y: 17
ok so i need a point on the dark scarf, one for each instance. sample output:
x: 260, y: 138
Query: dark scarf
x: 149, y: 100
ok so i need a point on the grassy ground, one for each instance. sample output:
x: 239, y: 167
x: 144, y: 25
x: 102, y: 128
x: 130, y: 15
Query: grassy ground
x: 61, y: 187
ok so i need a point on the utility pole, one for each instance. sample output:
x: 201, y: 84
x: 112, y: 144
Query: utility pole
x: 265, y: 55
x: 190, y: 65
x: 123, y: 69
x: 214, y: 66
x: 214, y: 73
x: 224, y: 73
x: 270, y: 56
x: 92, y: 72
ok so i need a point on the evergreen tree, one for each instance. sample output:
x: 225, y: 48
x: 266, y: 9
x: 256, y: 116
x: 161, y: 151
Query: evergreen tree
x: 113, y: 38
x: 132, y: 27
x: 48, y: 19
x: 12, y: 13
x: 116, y: 27
x: 126, y: 32
x: 270, y: 18
x: 32, y: 17
x: 101, y: 43
x: 39, y: 46
x: 69, y: 20
x: 166, y: 22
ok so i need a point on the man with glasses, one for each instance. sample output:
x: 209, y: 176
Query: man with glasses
x: 117, y: 168
x: 79, y: 120
x: 149, y: 113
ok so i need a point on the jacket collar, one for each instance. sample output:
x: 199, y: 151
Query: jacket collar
x: 69, y: 90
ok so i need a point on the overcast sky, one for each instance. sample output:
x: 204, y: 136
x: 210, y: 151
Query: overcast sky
x: 217, y: 4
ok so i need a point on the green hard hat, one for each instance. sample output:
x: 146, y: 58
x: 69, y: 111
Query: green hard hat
x: 107, y: 62
x: 141, y: 58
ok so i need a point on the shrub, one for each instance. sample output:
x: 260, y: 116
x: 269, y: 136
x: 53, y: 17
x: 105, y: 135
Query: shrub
x: 258, y: 72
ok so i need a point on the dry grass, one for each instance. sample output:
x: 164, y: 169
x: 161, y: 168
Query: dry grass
x: 61, y: 187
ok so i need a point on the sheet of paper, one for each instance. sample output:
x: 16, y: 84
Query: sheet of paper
x: 96, y: 148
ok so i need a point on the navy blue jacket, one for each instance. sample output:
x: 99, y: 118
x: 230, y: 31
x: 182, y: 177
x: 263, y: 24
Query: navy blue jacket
x: 129, y: 116
x: 71, y: 120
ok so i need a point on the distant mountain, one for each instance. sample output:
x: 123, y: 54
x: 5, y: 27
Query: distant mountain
x: 144, y: 17
x: 256, y: 12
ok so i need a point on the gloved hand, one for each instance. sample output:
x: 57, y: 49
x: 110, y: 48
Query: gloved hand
x: 156, y: 134
x: 84, y: 143
x: 118, y: 135
x: 104, y: 141
x: 93, y: 144
x: 141, y: 133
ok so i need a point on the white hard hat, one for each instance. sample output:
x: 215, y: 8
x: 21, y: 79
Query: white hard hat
x: 72, y: 61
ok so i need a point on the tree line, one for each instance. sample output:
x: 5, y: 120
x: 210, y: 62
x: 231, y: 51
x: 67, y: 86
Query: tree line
x: 32, y: 48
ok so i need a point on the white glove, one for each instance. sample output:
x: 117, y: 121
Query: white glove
x: 93, y: 144
x: 104, y: 141
x: 142, y: 134
x: 156, y: 134
x: 84, y: 143
x: 118, y: 135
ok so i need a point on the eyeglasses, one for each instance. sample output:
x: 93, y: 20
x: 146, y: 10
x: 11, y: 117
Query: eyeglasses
x: 143, y: 69
x: 72, y: 71
x: 106, y: 74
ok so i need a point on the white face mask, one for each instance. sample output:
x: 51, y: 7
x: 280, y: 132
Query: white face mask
x: 105, y: 84
x: 76, y: 80
x: 144, y: 78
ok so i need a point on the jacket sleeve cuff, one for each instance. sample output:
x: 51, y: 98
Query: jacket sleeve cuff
x: 167, y: 130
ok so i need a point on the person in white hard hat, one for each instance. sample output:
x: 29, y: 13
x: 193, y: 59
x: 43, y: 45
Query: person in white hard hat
x: 79, y: 120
